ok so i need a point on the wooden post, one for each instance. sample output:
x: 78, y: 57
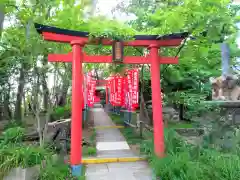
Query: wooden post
x: 141, y: 129
x: 76, y: 124
x: 156, y: 102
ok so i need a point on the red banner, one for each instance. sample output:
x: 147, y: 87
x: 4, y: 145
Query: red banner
x: 127, y: 94
x: 132, y: 93
x: 91, y: 87
x: 119, y: 91
x: 135, y: 93
x: 129, y: 89
x: 115, y: 85
x: 111, y: 87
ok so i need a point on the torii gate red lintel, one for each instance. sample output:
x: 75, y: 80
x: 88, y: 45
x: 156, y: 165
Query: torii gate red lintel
x: 77, y: 57
x: 108, y: 59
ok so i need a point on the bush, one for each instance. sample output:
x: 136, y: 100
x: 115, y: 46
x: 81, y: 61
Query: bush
x: 210, y: 165
x: 61, y: 113
x: 132, y: 138
x: 89, y: 151
x: 13, y: 123
x: 12, y: 135
x: 14, y: 153
x: 12, y: 156
x: 184, y: 161
x: 22, y: 156
x: 56, y: 171
x: 92, y: 151
x: 117, y: 119
x: 147, y: 148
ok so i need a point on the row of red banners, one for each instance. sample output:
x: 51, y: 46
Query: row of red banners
x: 124, y: 90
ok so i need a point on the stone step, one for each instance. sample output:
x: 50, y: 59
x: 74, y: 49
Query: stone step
x: 112, y: 146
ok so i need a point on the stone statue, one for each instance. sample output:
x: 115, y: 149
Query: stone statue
x: 226, y: 88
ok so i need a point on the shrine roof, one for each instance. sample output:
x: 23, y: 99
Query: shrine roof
x: 44, y: 28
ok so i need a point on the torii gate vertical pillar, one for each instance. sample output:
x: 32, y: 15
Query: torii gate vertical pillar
x: 76, y: 123
x: 158, y: 127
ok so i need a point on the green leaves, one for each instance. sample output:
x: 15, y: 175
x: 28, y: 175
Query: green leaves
x: 13, y: 135
x: 185, y: 161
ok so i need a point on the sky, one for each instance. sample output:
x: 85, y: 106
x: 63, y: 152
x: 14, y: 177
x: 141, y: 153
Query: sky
x: 105, y: 7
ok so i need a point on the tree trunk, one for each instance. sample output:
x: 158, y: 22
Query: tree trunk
x: 96, y: 74
x: 44, y: 82
x: 1, y: 107
x: 62, y: 95
x: 18, y: 111
x: 45, y: 92
x: 36, y: 104
x: 26, y: 109
x: 6, y: 110
x: 181, y: 111
x: 62, y: 101
x: 36, y: 91
x: 2, y: 15
x: 143, y: 111
x: 56, y: 95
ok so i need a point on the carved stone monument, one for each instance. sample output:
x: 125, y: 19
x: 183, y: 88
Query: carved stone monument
x: 226, y: 93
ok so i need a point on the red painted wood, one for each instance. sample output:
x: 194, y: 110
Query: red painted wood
x: 97, y: 59
x: 136, y: 60
x: 143, y: 43
x: 60, y: 57
x: 61, y: 38
x: 108, y: 59
x: 158, y: 127
x: 168, y: 60
x: 76, y: 124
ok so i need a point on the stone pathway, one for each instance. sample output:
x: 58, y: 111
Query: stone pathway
x: 119, y: 171
x: 112, y: 144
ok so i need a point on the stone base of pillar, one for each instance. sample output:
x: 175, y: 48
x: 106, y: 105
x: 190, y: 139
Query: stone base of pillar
x: 77, y: 170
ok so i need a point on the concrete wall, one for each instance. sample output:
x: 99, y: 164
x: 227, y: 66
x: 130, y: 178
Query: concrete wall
x: 23, y: 174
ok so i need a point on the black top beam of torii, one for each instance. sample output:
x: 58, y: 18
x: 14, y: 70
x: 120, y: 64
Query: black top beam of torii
x: 44, y: 28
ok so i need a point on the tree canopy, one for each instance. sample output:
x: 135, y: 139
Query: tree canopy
x: 23, y: 53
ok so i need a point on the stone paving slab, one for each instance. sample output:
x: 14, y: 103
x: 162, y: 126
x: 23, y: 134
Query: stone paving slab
x: 109, y: 135
x: 102, y: 118
x: 119, y: 171
x: 135, y: 166
x: 113, y: 176
x: 112, y: 146
x: 116, y: 153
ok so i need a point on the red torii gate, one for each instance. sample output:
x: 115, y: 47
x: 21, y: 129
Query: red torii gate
x: 78, y: 40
